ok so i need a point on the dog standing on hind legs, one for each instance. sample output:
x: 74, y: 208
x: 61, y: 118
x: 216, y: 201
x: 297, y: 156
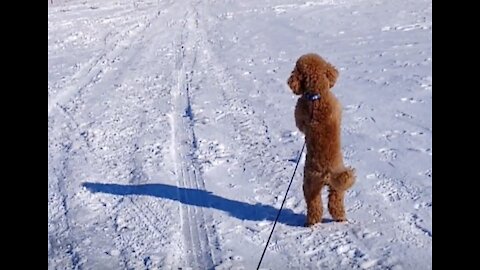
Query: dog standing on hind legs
x: 318, y: 116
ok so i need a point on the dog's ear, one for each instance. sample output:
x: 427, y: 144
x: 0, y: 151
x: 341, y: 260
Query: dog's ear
x: 295, y: 82
x: 332, y: 74
x: 316, y: 82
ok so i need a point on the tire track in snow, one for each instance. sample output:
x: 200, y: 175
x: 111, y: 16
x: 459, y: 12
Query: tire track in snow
x: 61, y: 241
x: 250, y: 128
x: 93, y: 71
x: 146, y: 213
x: 126, y: 246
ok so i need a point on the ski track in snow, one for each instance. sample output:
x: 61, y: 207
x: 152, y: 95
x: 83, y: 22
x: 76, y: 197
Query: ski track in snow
x: 196, y: 224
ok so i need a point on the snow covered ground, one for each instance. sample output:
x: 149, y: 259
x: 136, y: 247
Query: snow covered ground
x: 171, y: 137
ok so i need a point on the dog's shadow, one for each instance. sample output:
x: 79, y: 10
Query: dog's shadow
x: 202, y: 198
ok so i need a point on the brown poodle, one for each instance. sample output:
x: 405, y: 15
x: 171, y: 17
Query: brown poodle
x: 318, y: 116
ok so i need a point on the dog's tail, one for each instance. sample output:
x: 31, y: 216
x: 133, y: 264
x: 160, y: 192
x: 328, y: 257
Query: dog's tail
x: 343, y: 180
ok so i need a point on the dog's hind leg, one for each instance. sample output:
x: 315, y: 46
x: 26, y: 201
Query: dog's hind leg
x: 336, y: 206
x: 312, y: 187
x: 339, y: 183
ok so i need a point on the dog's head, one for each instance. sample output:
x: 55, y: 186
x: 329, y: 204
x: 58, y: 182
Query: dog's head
x: 312, y: 74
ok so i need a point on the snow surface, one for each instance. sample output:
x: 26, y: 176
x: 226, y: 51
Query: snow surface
x: 171, y: 137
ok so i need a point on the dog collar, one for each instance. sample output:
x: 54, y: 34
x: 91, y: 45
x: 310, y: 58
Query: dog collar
x: 311, y: 97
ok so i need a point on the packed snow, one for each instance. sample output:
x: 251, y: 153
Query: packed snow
x: 171, y: 133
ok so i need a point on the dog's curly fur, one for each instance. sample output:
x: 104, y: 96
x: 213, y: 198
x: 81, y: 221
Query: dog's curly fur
x: 320, y: 121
